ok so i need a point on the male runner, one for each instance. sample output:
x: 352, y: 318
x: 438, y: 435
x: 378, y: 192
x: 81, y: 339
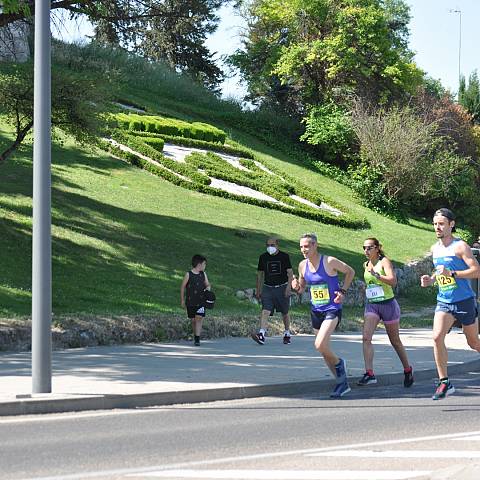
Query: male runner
x: 454, y: 266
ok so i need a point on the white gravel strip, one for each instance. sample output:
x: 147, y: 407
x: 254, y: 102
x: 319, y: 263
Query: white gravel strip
x: 322, y: 206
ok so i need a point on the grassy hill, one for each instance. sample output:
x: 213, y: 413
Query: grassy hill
x: 123, y: 238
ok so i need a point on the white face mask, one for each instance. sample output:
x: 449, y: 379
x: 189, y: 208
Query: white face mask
x: 271, y: 250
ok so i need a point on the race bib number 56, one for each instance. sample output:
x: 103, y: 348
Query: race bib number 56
x: 320, y: 294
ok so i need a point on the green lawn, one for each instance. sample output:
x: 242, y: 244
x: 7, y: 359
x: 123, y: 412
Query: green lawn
x: 122, y: 238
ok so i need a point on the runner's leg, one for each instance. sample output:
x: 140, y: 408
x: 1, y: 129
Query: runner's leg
x: 369, y: 325
x: 471, y: 334
x: 442, y: 322
x: 394, y: 337
x: 322, y: 343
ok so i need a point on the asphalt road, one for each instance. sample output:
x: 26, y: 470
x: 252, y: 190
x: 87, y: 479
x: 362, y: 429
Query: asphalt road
x: 374, y: 433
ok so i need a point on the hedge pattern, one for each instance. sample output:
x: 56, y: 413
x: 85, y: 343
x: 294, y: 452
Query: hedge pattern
x: 170, y: 126
x: 278, y: 186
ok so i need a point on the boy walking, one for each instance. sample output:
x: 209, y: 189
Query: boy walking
x: 192, y: 296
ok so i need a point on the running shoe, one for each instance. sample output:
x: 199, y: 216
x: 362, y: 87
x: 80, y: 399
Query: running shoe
x: 408, y: 380
x: 340, y: 390
x: 341, y: 370
x: 367, y: 379
x: 286, y: 340
x: 444, y: 388
x: 259, y: 338
x: 196, y: 341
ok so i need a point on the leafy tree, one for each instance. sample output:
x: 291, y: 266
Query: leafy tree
x: 469, y: 96
x: 77, y: 98
x: 304, y: 52
x: 171, y: 30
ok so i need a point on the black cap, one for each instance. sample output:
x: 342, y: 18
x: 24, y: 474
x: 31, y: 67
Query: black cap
x: 447, y: 213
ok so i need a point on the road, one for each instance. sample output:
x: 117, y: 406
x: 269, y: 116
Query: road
x: 376, y: 432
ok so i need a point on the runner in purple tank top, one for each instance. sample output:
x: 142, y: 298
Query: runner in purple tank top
x: 320, y: 274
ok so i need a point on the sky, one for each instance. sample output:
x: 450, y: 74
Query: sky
x: 434, y: 37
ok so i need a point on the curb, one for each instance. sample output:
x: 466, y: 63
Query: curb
x: 46, y: 404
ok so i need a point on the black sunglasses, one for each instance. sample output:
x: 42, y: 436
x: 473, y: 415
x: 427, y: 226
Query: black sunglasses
x: 368, y: 247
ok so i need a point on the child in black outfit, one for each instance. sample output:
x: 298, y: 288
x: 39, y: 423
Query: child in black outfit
x: 192, y: 290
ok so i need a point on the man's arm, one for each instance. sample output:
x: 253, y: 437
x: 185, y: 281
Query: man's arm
x: 260, y: 277
x: 288, y: 290
x: 465, y: 253
x: 349, y: 273
x: 299, y: 284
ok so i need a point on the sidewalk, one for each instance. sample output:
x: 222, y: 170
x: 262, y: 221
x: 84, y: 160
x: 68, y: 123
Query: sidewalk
x: 220, y: 369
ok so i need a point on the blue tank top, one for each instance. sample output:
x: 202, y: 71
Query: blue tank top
x: 451, y: 290
x: 322, y: 288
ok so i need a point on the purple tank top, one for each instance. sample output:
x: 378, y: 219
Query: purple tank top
x: 322, y: 288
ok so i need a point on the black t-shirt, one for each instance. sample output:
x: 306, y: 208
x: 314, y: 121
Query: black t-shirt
x: 274, y: 267
x: 195, y: 289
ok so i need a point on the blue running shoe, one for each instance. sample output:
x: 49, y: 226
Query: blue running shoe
x: 341, y: 370
x: 340, y: 390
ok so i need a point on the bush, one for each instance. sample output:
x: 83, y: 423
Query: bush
x: 170, y: 126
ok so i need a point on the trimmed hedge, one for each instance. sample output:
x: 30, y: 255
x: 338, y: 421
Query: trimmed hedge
x: 279, y: 186
x: 201, y: 144
x: 170, y: 126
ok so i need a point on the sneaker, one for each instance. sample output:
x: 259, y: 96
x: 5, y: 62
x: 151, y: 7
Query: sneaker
x: 286, y: 340
x: 340, y: 390
x: 259, y: 338
x: 367, y: 379
x: 341, y: 370
x: 408, y: 380
x: 196, y: 341
x: 444, y: 388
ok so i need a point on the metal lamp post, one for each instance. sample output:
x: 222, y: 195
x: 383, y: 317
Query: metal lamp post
x: 42, y: 242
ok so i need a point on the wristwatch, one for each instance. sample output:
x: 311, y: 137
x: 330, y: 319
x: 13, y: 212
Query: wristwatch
x: 453, y: 273
x: 342, y: 290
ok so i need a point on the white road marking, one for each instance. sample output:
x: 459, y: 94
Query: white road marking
x: 468, y: 439
x: 290, y: 474
x: 258, y: 456
x: 399, y: 454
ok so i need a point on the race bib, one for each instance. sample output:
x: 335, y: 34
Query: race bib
x: 375, y: 293
x: 446, y: 284
x: 320, y: 294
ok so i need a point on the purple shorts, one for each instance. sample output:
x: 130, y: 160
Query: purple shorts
x: 388, y: 312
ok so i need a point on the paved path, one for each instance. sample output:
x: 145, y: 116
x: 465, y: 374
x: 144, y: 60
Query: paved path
x: 221, y: 369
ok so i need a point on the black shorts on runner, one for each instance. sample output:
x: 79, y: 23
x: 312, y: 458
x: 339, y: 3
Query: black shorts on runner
x: 318, y: 317
x: 465, y: 312
x: 195, y: 311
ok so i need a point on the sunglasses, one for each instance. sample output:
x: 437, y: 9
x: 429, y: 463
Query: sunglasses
x: 368, y: 247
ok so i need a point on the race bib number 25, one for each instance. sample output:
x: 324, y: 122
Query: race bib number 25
x: 445, y: 284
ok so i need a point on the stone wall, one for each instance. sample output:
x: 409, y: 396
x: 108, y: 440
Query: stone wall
x: 407, y: 276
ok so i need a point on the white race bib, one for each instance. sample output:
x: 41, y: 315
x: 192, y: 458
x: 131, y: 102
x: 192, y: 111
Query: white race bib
x: 374, y: 292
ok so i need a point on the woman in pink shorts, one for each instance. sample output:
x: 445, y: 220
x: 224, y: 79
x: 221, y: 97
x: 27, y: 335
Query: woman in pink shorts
x: 380, y: 304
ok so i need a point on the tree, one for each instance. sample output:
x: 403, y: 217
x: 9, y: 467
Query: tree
x: 171, y: 30
x: 77, y: 97
x: 469, y: 96
x: 306, y: 52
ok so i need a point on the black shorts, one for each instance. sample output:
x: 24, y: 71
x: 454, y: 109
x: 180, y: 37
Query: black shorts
x: 273, y: 298
x: 318, y: 317
x: 465, y: 311
x: 195, y: 311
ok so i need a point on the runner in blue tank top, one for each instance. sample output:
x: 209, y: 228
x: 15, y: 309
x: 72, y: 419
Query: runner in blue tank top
x: 456, y: 302
x: 320, y: 273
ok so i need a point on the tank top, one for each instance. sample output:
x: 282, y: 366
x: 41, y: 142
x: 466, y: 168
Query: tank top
x: 322, y: 288
x: 377, y: 291
x: 451, y: 290
x: 194, y: 289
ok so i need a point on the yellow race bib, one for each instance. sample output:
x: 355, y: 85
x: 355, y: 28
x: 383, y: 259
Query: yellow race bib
x: 320, y: 294
x: 445, y: 284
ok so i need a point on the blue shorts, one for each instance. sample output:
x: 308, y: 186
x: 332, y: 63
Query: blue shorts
x: 318, y: 317
x: 465, y: 311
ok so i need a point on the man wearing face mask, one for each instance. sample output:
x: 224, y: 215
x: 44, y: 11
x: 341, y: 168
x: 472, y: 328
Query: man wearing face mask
x: 274, y: 280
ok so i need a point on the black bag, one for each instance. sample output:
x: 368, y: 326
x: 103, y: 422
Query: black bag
x: 210, y: 298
